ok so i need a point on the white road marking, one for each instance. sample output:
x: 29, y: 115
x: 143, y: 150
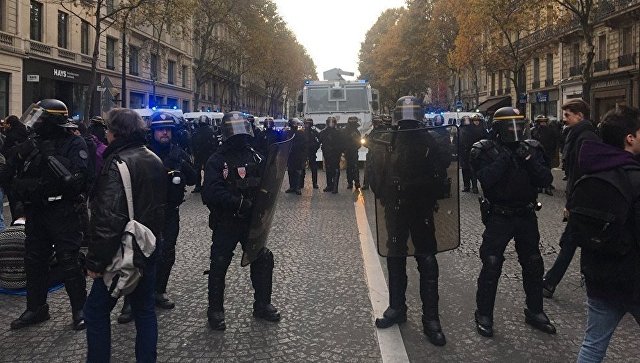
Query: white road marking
x: 390, y: 341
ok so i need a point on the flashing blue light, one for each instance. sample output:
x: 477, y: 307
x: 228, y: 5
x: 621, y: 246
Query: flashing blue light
x: 307, y: 82
x: 154, y: 108
x: 363, y: 81
x: 208, y: 110
x: 175, y: 107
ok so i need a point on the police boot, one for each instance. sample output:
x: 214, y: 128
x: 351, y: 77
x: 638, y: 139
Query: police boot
x: 216, y: 319
x: 428, y: 268
x: 266, y: 312
x: 547, y: 289
x: 486, y: 294
x: 163, y: 301
x: 484, y: 324
x: 392, y: 316
x: 30, y: 317
x: 433, y: 330
x: 126, y: 315
x: 475, y: 190
x: 539, y: 321
x: 466, y: 188
x: 78, y: 320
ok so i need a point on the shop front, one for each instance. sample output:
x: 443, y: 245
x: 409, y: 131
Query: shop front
x: 48, y: 80
x: 609, y: 93
x: 544, y: 103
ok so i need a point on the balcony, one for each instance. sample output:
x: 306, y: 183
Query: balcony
x: 39, y: 47
x: 601, y: 65
x: 86, y: 59
x: 548, y: 82
x: 535, y: 84
x: 627, y: 60
x: 66, y: 54
x: 6, y: 39
x: 576, y: 70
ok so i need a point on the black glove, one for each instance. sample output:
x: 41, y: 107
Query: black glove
x: 524, y: 150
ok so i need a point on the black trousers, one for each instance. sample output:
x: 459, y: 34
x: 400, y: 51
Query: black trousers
x: 224, y: 240
x: 353, y: 174
x: 332, y: 169
x: 313, y: 166
x: 561, y: 264
x: 53, y: 228
x: 168, y: 245
x: 428, y: 268
x: 499, y: 231
x: 469, y: 178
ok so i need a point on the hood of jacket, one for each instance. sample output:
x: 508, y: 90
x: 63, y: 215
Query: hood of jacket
x: 597, y: 156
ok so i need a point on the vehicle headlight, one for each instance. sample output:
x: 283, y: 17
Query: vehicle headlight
x: 363, y: 141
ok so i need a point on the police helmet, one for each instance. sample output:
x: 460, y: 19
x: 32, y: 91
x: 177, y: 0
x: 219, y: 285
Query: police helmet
x: 541, y: 118
x: 47, y: 111
x: 251, y: 119
x: 353, y: 120
x: 465, y: 121
x: 235, y: 123
x: 438, y: 120
x: 204, y: 120
x: 510, y: 124
x: 308, y: 122
x: 163, y: 119
x: 269, y: 123
x: 376, y: 121
x: 332, y: 122
x: 98, y: 120
x: 408, y: 108
x: 387, y: 120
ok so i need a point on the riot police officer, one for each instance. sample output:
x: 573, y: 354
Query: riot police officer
x: 406, y: 179
x: 52, y: 173
x: 180, y: 173
x: 331, y: 140
x: 205, y: 144
x: 312, y: 143
x: 510, y: 168
x: 267, y: 137
x: 378, y: 125
x: 470, y: 132
x: 231, y: 183
x: 297, y: 157
x: 352, y: 143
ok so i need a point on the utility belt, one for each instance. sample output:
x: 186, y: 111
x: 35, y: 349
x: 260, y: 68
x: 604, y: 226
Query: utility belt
x: 487, y: 209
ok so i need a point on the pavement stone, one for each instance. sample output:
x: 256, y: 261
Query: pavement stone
x: 321, y: 291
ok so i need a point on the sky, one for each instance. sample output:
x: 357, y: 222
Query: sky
x: 332, y: 30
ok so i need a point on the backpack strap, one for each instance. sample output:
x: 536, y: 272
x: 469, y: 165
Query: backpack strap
x: 126, y: 182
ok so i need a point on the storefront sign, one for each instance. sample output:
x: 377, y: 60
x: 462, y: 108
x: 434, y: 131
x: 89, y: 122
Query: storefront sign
x: 542, y: 97
x: 33, y: 78
x: 63, y: 73
x: 522, y: 98
x: 611, y: 83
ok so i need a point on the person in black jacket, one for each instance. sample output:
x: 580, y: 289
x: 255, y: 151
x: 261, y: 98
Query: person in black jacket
x: 332, y: 146
x: 204, y: 143
x: 312, y: 143
x: 109, y: 215
x: 52, y: 174
x: 297, y: 157
x: 231, y: 182
x: 576, y: 116
x: 352, y: 143
x: 612, y: 276
x: 549, y: 137
x: 267, y: 137
x: 510, y: 170
x: 471, y: 131
x: 16, y: 133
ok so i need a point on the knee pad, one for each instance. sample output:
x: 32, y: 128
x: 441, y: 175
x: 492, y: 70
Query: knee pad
x: 428, y: 266
x: 493, y: 266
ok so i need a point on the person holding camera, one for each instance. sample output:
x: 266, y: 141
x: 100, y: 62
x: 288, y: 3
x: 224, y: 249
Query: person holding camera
x: 510, y: 169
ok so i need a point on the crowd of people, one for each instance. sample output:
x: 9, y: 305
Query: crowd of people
x: 93, y: 186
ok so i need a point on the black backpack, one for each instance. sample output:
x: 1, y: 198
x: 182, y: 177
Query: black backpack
x: 601, y: 210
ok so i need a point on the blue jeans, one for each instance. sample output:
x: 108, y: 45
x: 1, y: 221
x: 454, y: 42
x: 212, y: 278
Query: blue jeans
x: 602, y: 320
x: 97, y: 312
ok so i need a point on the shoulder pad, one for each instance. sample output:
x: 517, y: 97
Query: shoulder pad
x: 484, y: 144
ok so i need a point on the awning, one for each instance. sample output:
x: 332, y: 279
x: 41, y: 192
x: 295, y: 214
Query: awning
x: 492, y: 104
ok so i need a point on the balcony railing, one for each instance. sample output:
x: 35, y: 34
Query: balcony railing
x: 85, y: 59
x: 576, y: 70
x: 548, y: 82
x: 600, y: 66
x: 627, y: 60
x: 39, y: 47
x: 6, y: 39
x: 535, y: 84
x: 66, y: 54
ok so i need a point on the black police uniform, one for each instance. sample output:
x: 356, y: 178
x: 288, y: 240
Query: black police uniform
x: 297, y: 157
x: 469, y: 135
x: 510, y: 174
x: 204, y: 143
x: 352, y: 139
x: 265, y: 138
x: 332, y: 142
x: 176, y: 162
x: 53, y: 221
x: 231, y: 181
x: 312, y: 143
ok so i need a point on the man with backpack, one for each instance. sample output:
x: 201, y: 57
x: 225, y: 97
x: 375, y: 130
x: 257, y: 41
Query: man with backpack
x: 604, y: 216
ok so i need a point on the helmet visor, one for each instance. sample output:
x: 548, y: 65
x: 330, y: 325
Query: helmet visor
x: 515, y: 130
x: 236, y: 127
x: 31, y: 115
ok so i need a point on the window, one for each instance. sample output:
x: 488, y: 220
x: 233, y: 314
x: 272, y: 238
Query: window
x: 171, y: 72
x: 602, y: 47
x: 111, y: 53
x: 184, y: 76
x: 84, y: 37
x: 575, y: 54
x: 536, y: 69
x: 500, y: 80
x: 3, y: 9
x: 627, y: 41
x: 154, y: 67
x: 35, y: 24
x: 63, y: 29
x: 493, y: 82
x: 549, y: 66
x: 134, y: 54
x: 109, y: 6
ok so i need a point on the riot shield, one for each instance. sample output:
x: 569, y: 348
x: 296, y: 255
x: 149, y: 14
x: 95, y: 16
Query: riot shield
x: 265, y: 203
x: 417, y: 191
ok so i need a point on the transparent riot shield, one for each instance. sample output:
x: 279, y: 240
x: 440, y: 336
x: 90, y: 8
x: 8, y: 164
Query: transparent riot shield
x: 416, y: 186
x: 31, y: 115
x: 265, y: 203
